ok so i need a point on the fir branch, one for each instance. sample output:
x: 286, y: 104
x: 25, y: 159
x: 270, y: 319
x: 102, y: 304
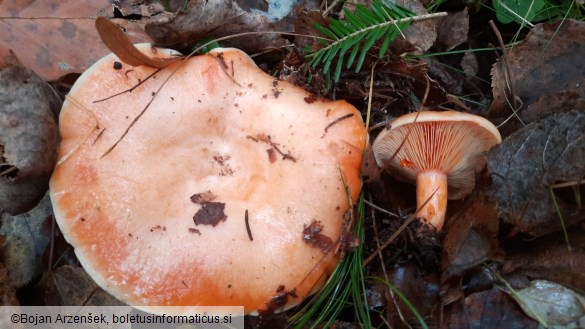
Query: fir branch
x: 359, y: 32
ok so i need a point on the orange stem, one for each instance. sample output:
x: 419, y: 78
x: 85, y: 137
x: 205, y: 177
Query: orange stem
x: 431, y: 197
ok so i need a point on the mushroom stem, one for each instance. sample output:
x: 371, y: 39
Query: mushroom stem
x: 431, y: 197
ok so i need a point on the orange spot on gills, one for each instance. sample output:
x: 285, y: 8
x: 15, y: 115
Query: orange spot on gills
x: 406, y: 163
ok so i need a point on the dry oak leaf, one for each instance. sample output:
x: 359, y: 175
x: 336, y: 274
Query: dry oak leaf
x: 527, y: 163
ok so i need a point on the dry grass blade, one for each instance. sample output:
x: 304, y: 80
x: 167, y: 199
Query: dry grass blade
x: 120, y: 45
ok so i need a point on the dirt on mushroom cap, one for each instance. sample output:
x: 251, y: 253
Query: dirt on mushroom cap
x: 192, y: 139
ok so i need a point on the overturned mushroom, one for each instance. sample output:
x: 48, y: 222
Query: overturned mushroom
x: 436, y: 149
x: 206, y: 199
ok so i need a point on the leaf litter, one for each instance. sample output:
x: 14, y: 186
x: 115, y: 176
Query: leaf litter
x: 471, y: 237
x: 211, y: 19
x: 528, y: 164
x: 488, y: 309
x: 546, y: 150
x: 71, y: 285
x: 28, y: 136
x: 7, y: 289
x: 548, y: 64
x: 552, y: 305
x: 26, y: 238
x: 55, y: 38
x: 548, y: 258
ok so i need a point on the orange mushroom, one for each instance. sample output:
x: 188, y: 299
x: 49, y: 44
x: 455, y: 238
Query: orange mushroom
x: 436, y: 149
x: 228, y: 190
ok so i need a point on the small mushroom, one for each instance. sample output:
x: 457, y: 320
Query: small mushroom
x: 205, y: 200
x: 436, y: 150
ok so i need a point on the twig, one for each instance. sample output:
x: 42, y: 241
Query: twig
x: 370, y: 93
x: 129, y: 90
x: 373, y: 205
x: 328, y: 9
x: 567, y: 184
x: 426, y: 95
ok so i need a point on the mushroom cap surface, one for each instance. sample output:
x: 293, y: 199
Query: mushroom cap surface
x: 450, y: 142
x: 226, y: 191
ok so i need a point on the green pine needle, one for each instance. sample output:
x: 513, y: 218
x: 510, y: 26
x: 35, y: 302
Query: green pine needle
x: 355, y: 35
x: 344, y: 290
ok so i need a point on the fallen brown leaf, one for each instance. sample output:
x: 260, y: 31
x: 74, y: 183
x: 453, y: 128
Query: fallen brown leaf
x: 420, y: 289
x: 452, y: 30
x: 549, y: 61
x: 551, y: 304
x: 471, y: 236
x: 27, y: 236
x: 55, y: 38
x: 489, y: 309
x: 119, y: 43
x: 210, y: 19
x: 420, y: 35
x: 28, y: 138
x: 549, y: 258
x: 526, y: 166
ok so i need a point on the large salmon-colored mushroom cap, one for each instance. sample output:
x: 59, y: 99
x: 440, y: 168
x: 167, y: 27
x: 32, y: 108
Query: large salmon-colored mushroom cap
x: 440, y: 151
x: 227, y: 191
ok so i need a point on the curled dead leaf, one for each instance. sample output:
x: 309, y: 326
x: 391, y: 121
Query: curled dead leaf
x: 120, y: 44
